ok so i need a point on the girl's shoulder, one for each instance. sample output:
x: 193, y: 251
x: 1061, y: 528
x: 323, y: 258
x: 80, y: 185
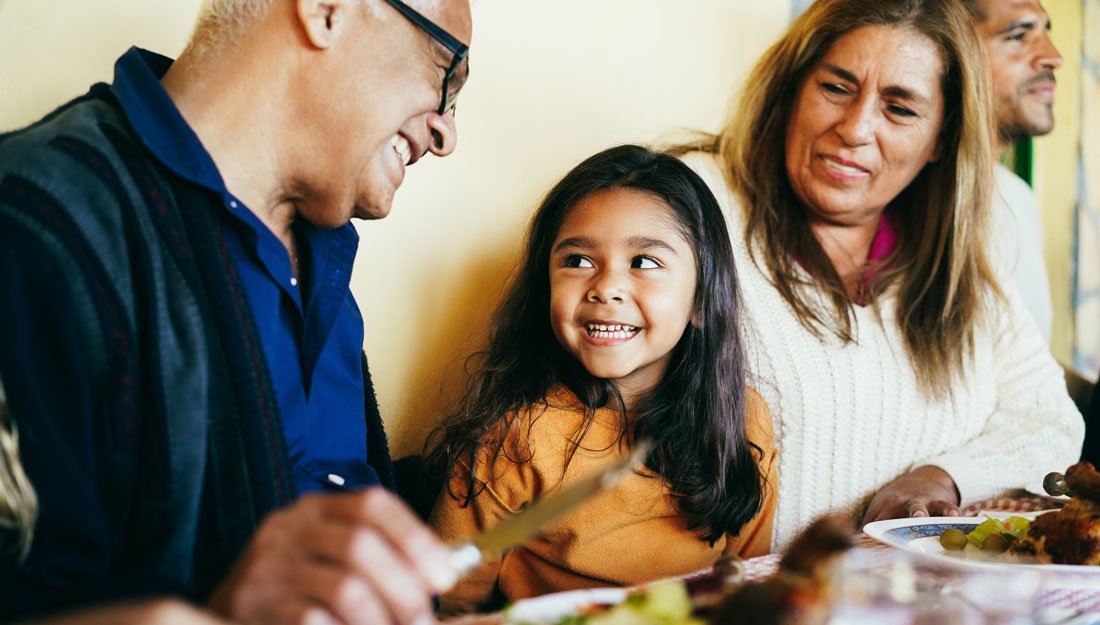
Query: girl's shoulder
x: 758, y: 419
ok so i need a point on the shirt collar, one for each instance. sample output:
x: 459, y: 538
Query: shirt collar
x: 158, y: 122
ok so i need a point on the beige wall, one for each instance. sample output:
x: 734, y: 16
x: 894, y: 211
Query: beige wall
x: 1054, y: 174
x: 551, y: 83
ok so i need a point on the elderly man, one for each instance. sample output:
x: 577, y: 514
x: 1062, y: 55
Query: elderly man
x: 182, y: 354
x: 1022, y: 59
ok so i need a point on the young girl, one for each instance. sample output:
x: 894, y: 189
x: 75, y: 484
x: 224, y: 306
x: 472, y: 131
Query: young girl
x: 621, y: 325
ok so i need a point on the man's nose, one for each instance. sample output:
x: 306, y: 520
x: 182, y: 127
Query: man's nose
x: 1047, y: 56
x: 444, y: 134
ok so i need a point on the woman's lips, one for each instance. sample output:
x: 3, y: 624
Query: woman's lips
x: 841, y: 169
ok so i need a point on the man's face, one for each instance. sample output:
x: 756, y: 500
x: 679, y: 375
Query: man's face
x: 370, y: 110
x: 1022, y: 59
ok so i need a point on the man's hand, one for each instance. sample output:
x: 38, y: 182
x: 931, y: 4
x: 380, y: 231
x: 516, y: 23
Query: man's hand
x: 924, y: 491
x: 361, y: 558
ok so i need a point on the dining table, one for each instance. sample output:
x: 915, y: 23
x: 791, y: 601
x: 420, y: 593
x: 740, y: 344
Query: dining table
x: 1063, y: 598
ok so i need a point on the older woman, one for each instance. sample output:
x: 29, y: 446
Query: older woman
x: 856, y: 174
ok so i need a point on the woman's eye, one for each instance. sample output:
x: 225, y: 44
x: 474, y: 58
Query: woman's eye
x: 576, y: 260
x: 901, y: 111
x: 644, y: 262
x: 1017, y: 36
x: 834, y: 88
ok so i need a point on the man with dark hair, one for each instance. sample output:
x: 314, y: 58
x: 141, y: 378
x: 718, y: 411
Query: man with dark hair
x: 181, y: 351
x: 1022, y: 59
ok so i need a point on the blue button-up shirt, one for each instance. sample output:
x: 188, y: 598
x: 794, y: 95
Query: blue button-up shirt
x: 312, y: 332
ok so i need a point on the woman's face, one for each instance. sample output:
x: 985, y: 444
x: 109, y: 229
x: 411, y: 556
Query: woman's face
x: 866, y: 120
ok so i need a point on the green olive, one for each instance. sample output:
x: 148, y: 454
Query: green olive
x: 953, y: 539
x: 996, y: 543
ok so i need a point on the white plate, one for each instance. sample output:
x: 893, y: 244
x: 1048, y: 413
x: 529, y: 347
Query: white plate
x: 551, y: 608
x: 922, y: 536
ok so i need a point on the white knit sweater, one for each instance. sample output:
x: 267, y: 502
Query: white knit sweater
x: 849, y: 418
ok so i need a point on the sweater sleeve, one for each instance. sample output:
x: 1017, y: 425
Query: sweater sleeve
x: 1035, y: 428
x: 755, y: 536
x: 453, y: 519
x: 52, y: 399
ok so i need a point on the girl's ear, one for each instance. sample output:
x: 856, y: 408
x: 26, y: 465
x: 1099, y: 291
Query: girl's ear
x: 323, y: 20
x: 694, y: 321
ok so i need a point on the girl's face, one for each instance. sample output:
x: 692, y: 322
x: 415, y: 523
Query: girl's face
x: 622, y: 287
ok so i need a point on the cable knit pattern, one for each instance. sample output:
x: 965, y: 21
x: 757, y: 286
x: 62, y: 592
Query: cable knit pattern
x: 849, y: 418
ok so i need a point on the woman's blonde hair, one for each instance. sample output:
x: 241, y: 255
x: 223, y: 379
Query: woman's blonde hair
x: 18, y: 503
x: 939, y: 268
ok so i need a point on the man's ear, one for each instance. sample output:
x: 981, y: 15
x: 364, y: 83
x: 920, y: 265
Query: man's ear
x: 323, y: 21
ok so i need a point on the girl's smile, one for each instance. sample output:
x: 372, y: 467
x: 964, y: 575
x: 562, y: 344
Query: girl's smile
x: 622, y: 287
x: 610, y: 333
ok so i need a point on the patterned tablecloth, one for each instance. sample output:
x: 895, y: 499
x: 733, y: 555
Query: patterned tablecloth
x: 1063, y: 599
x: 1062, y: 593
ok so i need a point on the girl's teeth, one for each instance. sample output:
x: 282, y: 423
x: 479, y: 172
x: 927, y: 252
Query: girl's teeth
x: 613, y: 331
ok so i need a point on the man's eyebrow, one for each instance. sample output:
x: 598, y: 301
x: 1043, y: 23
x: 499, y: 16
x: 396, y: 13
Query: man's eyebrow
x: 1026, y: 23
x: 896, y: 91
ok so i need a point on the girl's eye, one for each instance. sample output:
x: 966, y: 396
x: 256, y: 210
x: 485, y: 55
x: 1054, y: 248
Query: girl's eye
x: 644, y: 262
x: 577, y: 261
x: 1017, y: 36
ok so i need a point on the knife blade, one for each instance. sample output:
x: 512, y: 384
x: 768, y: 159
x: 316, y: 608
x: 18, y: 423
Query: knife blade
x: 467, y: 554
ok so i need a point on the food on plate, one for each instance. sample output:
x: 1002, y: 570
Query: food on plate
x: 953, y: 539
x: 662, y: 603
x: 799, y: 590
x: 997, y: 534
x: 1070, y: 535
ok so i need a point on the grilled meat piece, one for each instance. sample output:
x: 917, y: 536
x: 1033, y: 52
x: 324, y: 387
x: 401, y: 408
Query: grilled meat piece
x: 1084, y: 481
x: 798, y: 592
x: 1067, y: 536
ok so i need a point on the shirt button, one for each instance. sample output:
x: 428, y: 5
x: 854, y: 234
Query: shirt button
x: 335, y: 479
x: 232, y: 204
x: 294, y: 282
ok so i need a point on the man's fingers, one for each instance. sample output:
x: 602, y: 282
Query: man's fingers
x: 383, y: 512
x: 367, y: 555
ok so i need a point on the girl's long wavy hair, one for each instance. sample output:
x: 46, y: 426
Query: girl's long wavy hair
x: 695, y: 416
x: 939, y: 267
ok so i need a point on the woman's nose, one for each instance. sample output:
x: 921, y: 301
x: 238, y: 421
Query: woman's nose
x: 857, y: 127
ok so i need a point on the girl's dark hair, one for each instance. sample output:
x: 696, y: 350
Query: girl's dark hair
x: 695, y: 417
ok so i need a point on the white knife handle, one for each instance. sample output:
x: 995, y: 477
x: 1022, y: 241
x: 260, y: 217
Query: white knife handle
x: 465, y: 556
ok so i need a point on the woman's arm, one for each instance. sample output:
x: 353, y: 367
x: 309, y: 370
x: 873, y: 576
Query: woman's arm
x: 1034, y: 428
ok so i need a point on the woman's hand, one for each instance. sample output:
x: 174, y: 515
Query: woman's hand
x: 924, y: 491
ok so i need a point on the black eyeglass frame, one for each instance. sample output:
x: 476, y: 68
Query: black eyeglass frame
x: 456, y: 47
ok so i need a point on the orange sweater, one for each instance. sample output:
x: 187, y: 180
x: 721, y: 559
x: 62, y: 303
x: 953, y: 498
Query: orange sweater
x: 625, y: 536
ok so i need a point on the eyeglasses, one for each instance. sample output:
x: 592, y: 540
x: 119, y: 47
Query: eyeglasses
x: 460, y: 65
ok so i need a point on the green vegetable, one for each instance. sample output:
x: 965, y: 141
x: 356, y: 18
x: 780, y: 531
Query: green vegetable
x: 953, y: 539
x: 663, y: 603
x: 1012, y: 528
x: 996, y: 542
